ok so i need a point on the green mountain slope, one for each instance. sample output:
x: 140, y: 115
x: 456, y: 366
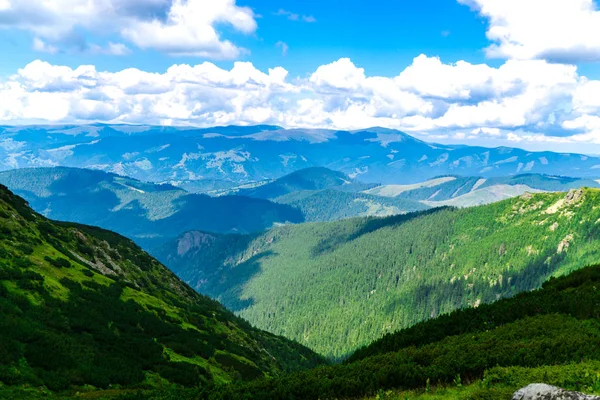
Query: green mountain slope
x: 83, y: 306
x: 333, y: 205
x: 314, y: 178
x: 148, y: 213
x: 550, y: 335
x: 337, y: 286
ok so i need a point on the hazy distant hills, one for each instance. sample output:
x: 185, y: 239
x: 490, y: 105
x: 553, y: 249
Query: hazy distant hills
x: 224, y: 157
x: 471, y: 191
x: 146, y: 212
x: 314, y: 178
x: 325, y: 195
x: 336, y: 286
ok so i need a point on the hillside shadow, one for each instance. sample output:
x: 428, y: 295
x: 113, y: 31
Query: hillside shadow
x: 231, y: 284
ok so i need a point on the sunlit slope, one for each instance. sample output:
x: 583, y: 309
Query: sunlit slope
x: 337, y: 286
x: 84, y: 306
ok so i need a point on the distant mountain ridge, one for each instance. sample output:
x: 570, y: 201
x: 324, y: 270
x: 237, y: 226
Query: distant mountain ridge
x: 312, y: 178
x: 470, y: 191
x: 148, y: 213
x: 224, y: 157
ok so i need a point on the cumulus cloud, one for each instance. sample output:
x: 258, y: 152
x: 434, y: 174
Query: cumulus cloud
x: 176, y: 27
x: 522, y: 100
x: 565, y: 31
x: 295, y: 17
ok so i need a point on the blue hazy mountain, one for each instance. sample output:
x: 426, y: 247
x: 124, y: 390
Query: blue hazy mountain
x: 224, y: 157
x: 145, y: 212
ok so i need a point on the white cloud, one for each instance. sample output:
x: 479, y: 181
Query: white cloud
x: 295, y: 17
x: 283, y: 46
x: 532, y: 101
x: 41, y: 46
x: 556, y: 30
x: 177, y: 27
x: 114, y: 49
x: 189, y: 29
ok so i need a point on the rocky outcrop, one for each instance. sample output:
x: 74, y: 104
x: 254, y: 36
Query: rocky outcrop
x: 541, y: 391
x: 193, y: 240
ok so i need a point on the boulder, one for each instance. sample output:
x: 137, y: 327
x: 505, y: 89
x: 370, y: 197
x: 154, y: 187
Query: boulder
x: 541, y: 391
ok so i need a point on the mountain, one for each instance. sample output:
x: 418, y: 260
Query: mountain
x: 471, y: 191
x: 315, y: 178
x: 148, y: 213
x: 322, y: 194
x: 337, y: 286
x: 86, y: 308
x: 333, y: 205
x: 550, y: 335
x: 220, y: 158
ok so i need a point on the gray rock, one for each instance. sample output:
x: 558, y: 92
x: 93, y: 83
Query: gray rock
x: 541, y: 391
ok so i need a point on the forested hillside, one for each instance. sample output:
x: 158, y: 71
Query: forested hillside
x: 148, y: 213
x: 84, y: 308
x: 337, y: 286
x: 333, y: 205
x: 314, y: 178
x: 550, y: 335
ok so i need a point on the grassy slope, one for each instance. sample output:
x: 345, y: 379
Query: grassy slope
x: 84, y: 306
x: 550, y: 335
x: 337, y: 286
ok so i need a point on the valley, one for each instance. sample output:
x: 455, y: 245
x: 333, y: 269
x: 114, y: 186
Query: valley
x: 296, y: 283
x: 299, y: 200
x: 339, y: 285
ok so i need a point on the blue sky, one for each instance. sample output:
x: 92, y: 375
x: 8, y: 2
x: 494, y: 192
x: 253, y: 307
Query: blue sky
x: 381, y: 36
x: 521, y: 72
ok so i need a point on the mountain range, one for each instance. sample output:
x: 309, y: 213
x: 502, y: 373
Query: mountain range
x: 88, y: 314
x: 336, y: 286
x: 360, y: 248
x: 460, y: 191
x: 148, y: 213
x: 325, y: 195
x: 217, y: 158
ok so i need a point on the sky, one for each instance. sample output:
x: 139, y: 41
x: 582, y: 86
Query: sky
x: 522, y: 73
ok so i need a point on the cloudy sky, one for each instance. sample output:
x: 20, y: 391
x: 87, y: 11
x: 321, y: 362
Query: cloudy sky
x: 522, y: 73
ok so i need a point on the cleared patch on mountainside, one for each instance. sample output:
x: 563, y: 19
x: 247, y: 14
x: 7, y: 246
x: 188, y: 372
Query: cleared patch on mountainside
x: 486, y: 195
x: 396, y: 190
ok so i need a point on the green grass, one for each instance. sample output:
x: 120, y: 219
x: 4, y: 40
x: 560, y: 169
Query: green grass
x: 501, y: 383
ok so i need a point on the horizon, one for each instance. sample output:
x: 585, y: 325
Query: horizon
x: 427, y: 139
